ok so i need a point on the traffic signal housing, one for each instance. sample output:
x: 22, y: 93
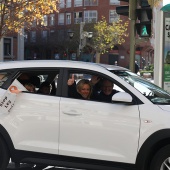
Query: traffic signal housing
x: 144, y: 3
x: 123, y: 10
x: 144, y: 16
x: 127, y: 10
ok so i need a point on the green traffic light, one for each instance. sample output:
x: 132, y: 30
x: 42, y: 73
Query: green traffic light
x: 144, y: 31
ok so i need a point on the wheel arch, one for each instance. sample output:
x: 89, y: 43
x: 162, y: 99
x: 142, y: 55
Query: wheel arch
x: 7, y: 139
x: 153, y: 143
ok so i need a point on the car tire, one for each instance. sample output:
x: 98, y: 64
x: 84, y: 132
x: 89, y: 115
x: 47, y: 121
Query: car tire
x: 161, y: 160
x: 4, y: 155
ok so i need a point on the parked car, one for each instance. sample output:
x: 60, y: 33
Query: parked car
x: 132, y: 131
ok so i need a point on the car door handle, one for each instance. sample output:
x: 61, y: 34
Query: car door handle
x: 72, y: 113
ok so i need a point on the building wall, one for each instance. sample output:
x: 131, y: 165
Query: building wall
x: 15, y: 48
x: 59, y: 44
x: 9, y: 48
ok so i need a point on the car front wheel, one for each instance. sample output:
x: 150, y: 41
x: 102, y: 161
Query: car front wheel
x: 161, y: 160
x: 4, y: 155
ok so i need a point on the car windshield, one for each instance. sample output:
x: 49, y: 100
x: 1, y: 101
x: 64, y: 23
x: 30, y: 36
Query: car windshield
x: 154, y: 93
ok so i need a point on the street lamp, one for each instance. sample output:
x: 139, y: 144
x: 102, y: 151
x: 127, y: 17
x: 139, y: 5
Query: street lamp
x: 70, y: 34
x: 90, y: 35
x: 83, y: 36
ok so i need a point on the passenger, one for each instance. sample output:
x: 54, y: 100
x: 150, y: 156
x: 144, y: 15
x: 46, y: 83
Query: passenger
x: 96, y: 84
x: 95, y: 81
x: 24, y: 78
x: 107, y: 91
x: 30, y: 87
x: 82, y: 90
x: 45, y: 88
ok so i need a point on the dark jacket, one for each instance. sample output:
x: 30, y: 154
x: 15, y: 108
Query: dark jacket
x: 72, y: 92
x: 136, y: 68
x: 107, y: 98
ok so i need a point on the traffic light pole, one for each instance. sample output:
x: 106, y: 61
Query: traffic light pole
x: 132, y: 17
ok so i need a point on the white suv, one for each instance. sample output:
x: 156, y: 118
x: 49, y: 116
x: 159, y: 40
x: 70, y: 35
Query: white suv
x: 132, y: 131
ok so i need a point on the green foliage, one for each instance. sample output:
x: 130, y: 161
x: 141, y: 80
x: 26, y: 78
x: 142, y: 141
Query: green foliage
x: 154, y: 2
x: 142, y: 72
x: 150, y: 67
x: 148, y: 70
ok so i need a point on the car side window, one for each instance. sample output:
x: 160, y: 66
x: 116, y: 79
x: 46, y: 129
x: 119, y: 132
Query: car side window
x: 4, y: 77
x: 39, y: 82
x: 91, y: 87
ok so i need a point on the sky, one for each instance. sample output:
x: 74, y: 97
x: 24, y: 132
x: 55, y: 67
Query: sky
x: 166, y: 2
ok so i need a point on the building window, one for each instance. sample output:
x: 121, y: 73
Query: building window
x: 68, y: 18
x: 90, y: 2
x: 90, y: 16
x: 45, y: 20
x: 52, y: 20
x: 62, y: 4
x: 44, y: 35
x: 114, y: 2
x: 78, y: 3
x: 61, y: 19
x: 68, y: 3
x: 7, y: 46
x: 34, y: 23
x: 33, y: 36
x: 78, y: 17
x: 113, y: 16
x: 25, y: 37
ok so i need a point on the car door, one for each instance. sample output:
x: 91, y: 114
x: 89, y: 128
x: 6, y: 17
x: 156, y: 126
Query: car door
x: 33, y: 122
x: 99, y: 130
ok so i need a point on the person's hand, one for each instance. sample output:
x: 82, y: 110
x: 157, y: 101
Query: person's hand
x: 95, y: 80
x: 71, y: 80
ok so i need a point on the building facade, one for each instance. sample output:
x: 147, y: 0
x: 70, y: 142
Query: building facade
x: 8, y: 48
x: 50, y: 40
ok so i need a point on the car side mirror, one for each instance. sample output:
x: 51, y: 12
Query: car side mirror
x: 122, y: 97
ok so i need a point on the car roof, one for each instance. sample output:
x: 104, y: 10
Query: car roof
x: 56, y: 63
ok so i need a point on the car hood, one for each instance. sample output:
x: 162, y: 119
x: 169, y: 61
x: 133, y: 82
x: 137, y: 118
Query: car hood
x: 165, y: 107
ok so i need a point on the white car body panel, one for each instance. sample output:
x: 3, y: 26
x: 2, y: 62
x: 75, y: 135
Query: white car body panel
x: 165, y: 107
x: 97, y: 130
x: 153, y: 119
x: 33, y: 123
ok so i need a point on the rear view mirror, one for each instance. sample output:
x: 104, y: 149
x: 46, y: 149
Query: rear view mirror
x: 122, y: 97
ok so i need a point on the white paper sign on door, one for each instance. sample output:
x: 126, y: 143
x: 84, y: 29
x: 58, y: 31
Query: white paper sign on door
x: 7, y: 101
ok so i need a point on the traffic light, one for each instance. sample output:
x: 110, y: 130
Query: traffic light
x: 123, y: 10
x: 144, y: 15
x: 144, y: 3
x: 127, y: 10
x: 143, y: 29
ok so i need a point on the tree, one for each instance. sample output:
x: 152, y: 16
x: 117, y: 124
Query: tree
x: 106, y: 36
x: 16, y: 14
x: 154, y: 2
